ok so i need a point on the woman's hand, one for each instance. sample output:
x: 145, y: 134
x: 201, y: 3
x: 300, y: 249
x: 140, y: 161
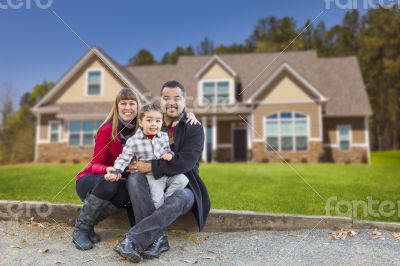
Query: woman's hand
x: 191, y: 119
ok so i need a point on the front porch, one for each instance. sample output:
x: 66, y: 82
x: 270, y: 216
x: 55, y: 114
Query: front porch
x: 227, y: 138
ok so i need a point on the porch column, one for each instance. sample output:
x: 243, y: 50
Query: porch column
x: 37, y: 138
x: 204, y: 123
x: 249, y: 129
x: 214, y: 136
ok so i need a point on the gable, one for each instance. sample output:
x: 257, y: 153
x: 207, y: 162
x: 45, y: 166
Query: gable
x: 295, y: 83
x: 285, y: 88
x: 75, y: 89
x: 216, y: 71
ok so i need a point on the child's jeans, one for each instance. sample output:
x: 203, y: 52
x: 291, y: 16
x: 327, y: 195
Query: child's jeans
x: 157, y: 187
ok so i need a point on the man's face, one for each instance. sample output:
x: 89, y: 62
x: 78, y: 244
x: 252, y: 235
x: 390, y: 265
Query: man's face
x: 172, y: 102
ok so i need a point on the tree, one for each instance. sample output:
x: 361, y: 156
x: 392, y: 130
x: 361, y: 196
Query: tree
x: 380, y: 64
x: 172, y: 58
x: 308, y: 35
x: 206, y: 47
x: 17, y: 137
x: 234, y: 48
x: 319, y: 38
x: 272, y: 34
x: 343, y: 40
x: 6, y: 108
x: 143, y: 57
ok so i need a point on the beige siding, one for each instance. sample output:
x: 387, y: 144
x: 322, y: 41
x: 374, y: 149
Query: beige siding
x: 285, y: 88
x: 75, y: 90
x: 357, y: 129
x: 216, y: 72
x: 44, y: 125
x: 309, y: 109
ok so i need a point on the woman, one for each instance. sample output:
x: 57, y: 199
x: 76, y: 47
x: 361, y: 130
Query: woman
x: 102, y: 195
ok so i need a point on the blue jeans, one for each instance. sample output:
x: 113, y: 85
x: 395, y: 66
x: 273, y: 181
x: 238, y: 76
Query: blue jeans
x: 114, y: 192
x: 151, y: 223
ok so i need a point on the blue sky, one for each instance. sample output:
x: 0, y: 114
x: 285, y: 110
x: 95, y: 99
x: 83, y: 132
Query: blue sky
x: 36, y: 45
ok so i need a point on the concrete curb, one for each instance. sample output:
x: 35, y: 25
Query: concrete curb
x: 218, y: 220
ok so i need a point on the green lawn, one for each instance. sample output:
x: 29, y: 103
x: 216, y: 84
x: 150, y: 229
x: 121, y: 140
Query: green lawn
x: 242, y: 186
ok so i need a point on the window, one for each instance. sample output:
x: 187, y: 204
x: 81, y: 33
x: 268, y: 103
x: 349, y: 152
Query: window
x: 286, y: 131
x: 344, y: 137
x: 54, y: 131
x: 94, y: 82
x: 74, y: 133
x: 81, y: 133
x: 216, y: 92
x: 273, y: 133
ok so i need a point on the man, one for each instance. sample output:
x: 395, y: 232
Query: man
x: 147, y: 237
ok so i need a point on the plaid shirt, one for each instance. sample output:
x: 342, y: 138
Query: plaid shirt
x: 143, y: 149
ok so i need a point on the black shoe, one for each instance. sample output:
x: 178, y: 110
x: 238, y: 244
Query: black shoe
x: 80, y: 237
x: 108, y: 210
x: 159, y: 245
x: 85, y: 222
x: 128, y: 250
x: 93, y: 236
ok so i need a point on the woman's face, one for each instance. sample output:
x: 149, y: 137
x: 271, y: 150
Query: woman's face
x: 127, y: 110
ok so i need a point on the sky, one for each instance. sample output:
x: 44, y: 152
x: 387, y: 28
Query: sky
x: 38, y: 44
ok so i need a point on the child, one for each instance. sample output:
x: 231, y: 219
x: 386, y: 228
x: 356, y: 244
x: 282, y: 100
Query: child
x: 149, y: 143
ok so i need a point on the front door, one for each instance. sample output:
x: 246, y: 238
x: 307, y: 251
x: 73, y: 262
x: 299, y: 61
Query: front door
x: 239, y: 144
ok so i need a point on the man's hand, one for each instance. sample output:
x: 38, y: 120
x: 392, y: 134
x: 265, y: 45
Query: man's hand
x: 167, y: 157
x: 139, y: 166
x: 192, y: 119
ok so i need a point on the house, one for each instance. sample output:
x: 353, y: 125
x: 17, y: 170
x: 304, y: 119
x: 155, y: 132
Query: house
x: 262, y: 107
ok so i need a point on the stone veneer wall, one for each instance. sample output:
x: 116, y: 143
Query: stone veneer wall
x: 354, y: 155
x: 62, y: 152
x: 224, y: 155
x: 314, y: 154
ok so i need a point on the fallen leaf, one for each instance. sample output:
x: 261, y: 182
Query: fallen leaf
x: 23, y: 241
x: 223, y: 258
x: 43, y: 250
x: 31, y: 219
x: 15, y: 247
x: 396, y: 235
x: 342, y: 234
x: 375, y: 232
x: 193, y: 238
x: 376, y: 235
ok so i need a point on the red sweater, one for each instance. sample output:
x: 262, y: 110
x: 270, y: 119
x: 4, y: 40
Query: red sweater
x: 105, y: 152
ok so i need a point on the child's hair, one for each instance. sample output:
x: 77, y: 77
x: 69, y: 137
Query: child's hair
x: 149, y: 107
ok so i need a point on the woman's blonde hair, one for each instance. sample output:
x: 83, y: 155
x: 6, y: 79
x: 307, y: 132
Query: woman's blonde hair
x: 124, y: 94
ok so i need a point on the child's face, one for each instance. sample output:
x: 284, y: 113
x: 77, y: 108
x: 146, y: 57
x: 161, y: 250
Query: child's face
x: 151, y: 122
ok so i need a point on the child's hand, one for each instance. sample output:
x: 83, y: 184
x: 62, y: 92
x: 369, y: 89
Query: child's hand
x: 167, y: 157
x: 111, y: 175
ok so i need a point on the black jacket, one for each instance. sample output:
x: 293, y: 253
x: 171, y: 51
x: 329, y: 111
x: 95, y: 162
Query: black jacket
x: 188, y: 147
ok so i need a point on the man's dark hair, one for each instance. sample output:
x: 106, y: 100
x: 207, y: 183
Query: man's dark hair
x: 173, y: 84
x: 149, y: 107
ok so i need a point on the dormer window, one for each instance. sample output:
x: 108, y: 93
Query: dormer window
x: 216, y: 92
x: 93, y: 82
